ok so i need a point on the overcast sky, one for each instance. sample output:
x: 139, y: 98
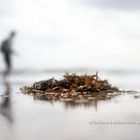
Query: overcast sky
x: 118, y: 4
x: 97, y: 33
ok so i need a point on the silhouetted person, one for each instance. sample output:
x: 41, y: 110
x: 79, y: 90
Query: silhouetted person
x: 6, y: 49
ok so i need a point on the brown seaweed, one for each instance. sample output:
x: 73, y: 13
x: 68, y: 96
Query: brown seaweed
x: 71, y: 86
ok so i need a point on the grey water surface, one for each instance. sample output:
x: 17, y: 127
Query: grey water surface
x: 24, y: 117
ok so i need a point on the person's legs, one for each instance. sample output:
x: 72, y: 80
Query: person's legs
x: 8, y: 64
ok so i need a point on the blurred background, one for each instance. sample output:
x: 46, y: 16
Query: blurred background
x: 82, y: 36
x: 67, y: 34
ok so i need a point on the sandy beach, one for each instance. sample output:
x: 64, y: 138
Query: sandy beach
x: 25, y: 117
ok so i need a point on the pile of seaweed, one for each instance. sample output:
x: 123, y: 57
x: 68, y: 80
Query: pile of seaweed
x: 72, y: 85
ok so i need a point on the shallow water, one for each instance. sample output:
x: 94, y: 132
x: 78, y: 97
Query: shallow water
x: 24, y: 117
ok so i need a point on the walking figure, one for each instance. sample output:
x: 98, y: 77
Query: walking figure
x: 6, y: 49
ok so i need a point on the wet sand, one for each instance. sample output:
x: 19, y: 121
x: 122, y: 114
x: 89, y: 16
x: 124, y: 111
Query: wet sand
x: 24, y: 117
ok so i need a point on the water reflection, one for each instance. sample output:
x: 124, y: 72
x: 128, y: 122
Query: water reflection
x: 75, y: 102
x: 5, y: 105
x: 85, y: 103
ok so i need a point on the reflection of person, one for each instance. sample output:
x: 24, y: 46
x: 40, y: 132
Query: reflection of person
x: 6, y: 49
x: 5, y: 105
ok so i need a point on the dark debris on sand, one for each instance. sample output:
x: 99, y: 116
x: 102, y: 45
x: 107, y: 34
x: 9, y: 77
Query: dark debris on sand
x: 71, y: 86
